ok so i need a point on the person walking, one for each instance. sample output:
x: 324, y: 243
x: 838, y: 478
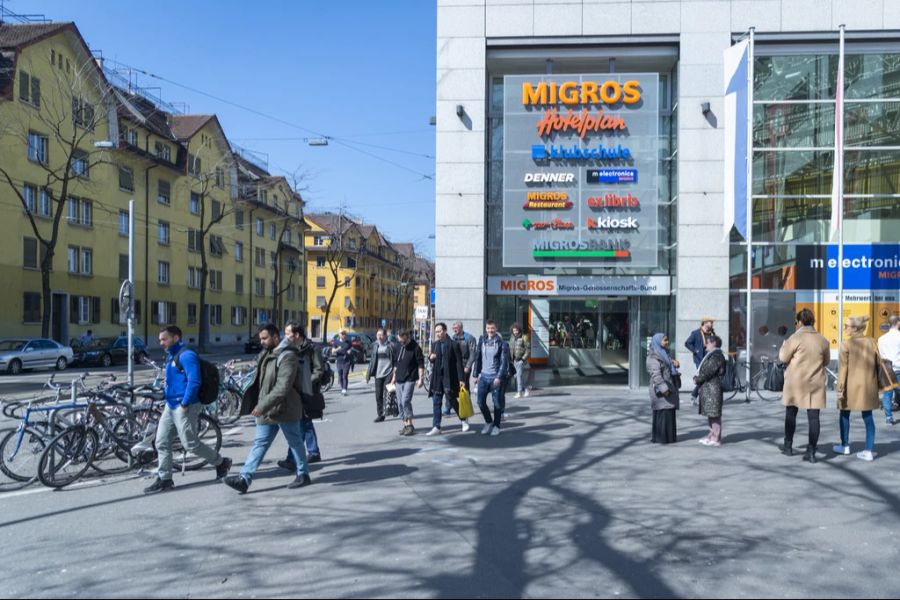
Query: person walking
x: 182, y: 411
x: 696, y: 344
x: 277, y: 405
x: 806, y: 354
x: 409, y: 372
x: 857, y: 384
x: 490, y: 372
x: 468, y: 345
x: 314, y: 406
x: 381, y: 367
x: 708, y: 378
x: 343, y: 351
x: 889, y: 348
x: 447, y: 376
x: 663, y: 393
x: 520, y: 349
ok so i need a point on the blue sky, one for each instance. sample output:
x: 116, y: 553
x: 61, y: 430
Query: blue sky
x: 358, y: 70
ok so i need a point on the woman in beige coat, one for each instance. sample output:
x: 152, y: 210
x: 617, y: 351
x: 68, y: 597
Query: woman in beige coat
x: 858, y: 384
x: 806, y: 354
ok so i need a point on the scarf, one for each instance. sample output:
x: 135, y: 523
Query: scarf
x: 662, y: 353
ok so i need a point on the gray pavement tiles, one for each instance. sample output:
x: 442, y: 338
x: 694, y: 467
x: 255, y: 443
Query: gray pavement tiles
x: 571, y: 500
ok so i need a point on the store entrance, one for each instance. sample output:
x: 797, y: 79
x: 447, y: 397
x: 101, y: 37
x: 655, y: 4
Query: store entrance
x: 591, y: 337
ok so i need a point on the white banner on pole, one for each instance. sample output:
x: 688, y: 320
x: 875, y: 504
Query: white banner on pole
x: 737, y: 138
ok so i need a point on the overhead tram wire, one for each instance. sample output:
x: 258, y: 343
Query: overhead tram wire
x: 277, y: 120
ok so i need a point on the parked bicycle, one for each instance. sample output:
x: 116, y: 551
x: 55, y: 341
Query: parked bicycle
x: 757, y: 381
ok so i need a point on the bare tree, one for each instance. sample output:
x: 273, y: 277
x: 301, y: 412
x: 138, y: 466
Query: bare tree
x: 298, y: 181
x: 201, y: 184
x: 339, y: 255
x: 70, y: 111
x: 406, y: 279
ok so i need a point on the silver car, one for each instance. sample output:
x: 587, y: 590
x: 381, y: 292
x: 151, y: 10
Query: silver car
x: 19, y: 354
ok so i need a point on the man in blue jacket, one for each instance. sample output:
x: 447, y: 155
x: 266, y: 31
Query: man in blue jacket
x: 696, y: 343
x: 182, y: 411
x: 490, y: 371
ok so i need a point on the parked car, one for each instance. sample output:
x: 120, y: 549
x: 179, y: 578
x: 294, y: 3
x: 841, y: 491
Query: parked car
x: 108, y: 351
x: 19, y: 354
x: 252, y: 346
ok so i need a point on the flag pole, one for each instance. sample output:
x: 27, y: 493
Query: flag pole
x: 839, y: 182
x: 749, y: 215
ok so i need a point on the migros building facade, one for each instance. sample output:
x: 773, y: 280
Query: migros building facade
x: 581, y: 161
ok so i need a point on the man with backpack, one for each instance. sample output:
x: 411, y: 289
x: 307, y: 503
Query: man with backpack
x: 275, y: 401
x: 314, y: 404
x: 490, y: 371
x: 185, y: 388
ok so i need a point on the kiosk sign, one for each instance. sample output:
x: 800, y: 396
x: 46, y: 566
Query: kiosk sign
x: 581, y: 151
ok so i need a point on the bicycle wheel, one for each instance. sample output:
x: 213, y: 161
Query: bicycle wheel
x: 124, y: 432
x: 228, y: 406
x: 328, y: 381
x: 759, y: 385
x: 20, y: 461
x: 67, y: 456
x: 210, y: 434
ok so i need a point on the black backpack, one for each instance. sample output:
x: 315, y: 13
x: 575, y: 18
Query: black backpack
x: 209, y: 377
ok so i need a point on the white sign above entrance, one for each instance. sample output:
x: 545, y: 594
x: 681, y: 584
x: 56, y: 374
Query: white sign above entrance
x: 421, y: 313
x: 573, y: 285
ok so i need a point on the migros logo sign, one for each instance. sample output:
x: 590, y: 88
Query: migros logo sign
x: 581, y: 93
x: 529, y: 285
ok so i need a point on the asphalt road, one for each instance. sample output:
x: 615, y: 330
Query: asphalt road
x: 571, y: 500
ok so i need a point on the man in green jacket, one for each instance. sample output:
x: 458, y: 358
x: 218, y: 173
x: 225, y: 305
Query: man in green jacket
x: 276, y: 403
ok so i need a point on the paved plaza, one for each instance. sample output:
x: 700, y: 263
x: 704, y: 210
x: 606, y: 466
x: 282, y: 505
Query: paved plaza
x: 571, y: 500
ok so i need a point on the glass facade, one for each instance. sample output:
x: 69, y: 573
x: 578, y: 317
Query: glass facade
x: 793, y: 160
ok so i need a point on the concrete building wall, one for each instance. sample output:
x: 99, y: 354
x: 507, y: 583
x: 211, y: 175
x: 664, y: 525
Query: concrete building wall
x: 704, y: 29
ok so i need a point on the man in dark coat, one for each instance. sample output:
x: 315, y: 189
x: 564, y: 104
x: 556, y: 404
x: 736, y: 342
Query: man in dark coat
x: 696, y: 343
x: 447, y: 377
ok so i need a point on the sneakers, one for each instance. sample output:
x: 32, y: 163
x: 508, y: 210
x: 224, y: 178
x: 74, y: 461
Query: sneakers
x: 890, y: 421
x: 299, y: 482
x: 866, y: 455
x: 236, y: 482
x: 495, y: 431
x: 160, y: 485
x: 288, y: 465
x: 379, y: 419
x: 465, y: 426
x: 525, y: 394
x: 222, y: 469
x: 486, y: 430
x: 343, y: 392
x: 434, y: 431
x: 517, y: 396
x: 838, y: 449
x: 705, y: 441
x: 408, y: 431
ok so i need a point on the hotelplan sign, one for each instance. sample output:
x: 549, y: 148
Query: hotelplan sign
x: 581, y: 149
x: 559, y: 285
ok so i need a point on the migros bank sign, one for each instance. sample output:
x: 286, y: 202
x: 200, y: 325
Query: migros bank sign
x: 581, y: 93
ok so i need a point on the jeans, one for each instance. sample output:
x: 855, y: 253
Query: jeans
x: 311, y: 439
x: 498, y: 395
x: 790, y: 425
x: 343, y: 369
x: 887, y: 400
x: 437, y: 401
x: 521, y: 376
x: 182, y: 421
x: 870, y: 428
x: 405, y: 392
x: 265, y: 434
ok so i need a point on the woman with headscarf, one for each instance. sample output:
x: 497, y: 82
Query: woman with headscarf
x: 708, y: 379
x: 663, y: 393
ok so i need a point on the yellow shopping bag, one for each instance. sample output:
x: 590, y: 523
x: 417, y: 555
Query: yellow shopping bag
x: 465, y: 404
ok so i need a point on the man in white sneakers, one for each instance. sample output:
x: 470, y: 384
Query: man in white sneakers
x: 448, y: 376
x: 490, y: 372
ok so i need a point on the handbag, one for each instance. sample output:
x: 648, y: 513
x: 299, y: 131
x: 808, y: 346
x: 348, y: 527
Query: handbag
x: 676, y: 381
x: 466, y: 409
x: 887, y: 379
x: 775, y: 377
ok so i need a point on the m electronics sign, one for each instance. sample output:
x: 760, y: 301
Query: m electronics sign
x: 580, y: 171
